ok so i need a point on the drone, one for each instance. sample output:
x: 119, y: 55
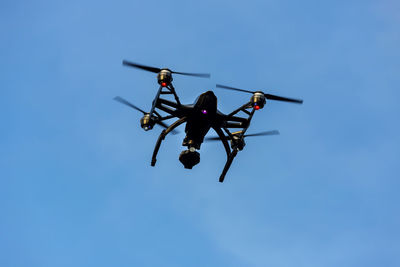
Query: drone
x: 200, y: 117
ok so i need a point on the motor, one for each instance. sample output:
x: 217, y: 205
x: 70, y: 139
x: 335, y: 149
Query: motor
x: 146, y: 122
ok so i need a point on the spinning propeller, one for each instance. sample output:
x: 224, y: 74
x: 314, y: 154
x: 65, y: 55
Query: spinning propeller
x: 126, y: 102
x: 267, y: 96
x: 216, y: 138
x: 158, y: 70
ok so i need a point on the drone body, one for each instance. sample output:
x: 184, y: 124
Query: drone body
x: 200, y: 117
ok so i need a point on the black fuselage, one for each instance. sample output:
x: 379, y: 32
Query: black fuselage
x: 201, y: 117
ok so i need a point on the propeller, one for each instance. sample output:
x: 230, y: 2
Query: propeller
x: 267, y: 96
x: 127, y: 103
x: 157, y: 70
x: 216, y: 138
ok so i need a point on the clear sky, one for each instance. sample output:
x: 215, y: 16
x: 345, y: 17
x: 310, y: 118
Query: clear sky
x: 77, y: 188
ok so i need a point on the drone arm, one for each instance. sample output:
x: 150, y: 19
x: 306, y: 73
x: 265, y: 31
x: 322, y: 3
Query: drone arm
x: 232, y: 121
x: 233, y: 125
x: 172, y: 89
x: 249, y: 120
x: 237, y: 119
x: 242, y: 108
x: 155, y: 100
x: 167, y: 110
x: 167, y: 103
x: 167, y: 117
x: 168, y: 107
x: 162, y: 137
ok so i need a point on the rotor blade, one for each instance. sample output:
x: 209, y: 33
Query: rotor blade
x: 202, y: 75
x: 268, y: 96
x: 280, y: 98
x: 233, y: 88
x: 140, y: 66
x: 216, y: 138
x: 125, y: 102
x: 274, y: 132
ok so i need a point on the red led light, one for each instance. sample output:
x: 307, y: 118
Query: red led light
x: 164, y: 84
x: 256, y: 107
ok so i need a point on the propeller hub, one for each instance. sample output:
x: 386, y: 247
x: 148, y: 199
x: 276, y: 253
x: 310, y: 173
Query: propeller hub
x: 146, y: 122
x: 164, y: 77
x: 237, y: 142
x: 258, y: 100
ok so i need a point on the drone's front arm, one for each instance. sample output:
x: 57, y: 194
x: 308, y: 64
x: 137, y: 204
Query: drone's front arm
x: 167, y: 106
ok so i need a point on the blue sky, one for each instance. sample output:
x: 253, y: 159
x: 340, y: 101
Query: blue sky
x: 77, y: 188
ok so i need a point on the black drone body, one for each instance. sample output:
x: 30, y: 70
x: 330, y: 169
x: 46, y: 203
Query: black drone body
x: 200, y: 117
